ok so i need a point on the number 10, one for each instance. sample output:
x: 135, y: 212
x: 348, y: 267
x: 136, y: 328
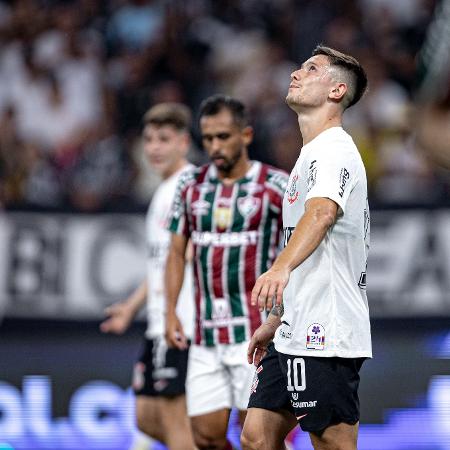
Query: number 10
x: 299, y: 381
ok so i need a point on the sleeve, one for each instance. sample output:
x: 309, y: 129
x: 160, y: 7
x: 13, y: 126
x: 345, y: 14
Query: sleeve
x: 331, y: 174
x: 277, y: 182
x: 178, y: 221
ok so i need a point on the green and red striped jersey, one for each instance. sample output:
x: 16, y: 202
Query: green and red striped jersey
x: 235, y: 231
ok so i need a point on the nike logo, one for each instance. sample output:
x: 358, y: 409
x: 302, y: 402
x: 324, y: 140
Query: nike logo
x: 285, y: 323
x: 301, y: 417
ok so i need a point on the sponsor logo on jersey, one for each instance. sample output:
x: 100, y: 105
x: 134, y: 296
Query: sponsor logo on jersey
x: 232, y: 239
x: 248, y: 206
x: 343, y: 178
x: 200, y: 207
x: 315, y: 337
x: 222, y: 217
x: 312, y: 175
x: 310, y: 404
x: 292, y: 193
x: 285, y: 334
x: 205, y: 188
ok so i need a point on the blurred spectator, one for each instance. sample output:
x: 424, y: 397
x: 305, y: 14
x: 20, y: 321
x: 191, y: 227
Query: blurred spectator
x: 101, y: 175
x: 135, y: 25
x: 76, y: 77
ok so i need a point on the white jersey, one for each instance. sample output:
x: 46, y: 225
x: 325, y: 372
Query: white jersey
x: 325, y: 304
x: 158, y: 241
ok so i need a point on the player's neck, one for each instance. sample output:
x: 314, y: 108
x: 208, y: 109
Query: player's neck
x: 238, y: 171
x: 312, y: 123
x: 174, y: 169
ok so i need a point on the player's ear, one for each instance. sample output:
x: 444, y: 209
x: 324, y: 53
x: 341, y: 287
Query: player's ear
x: 338, y: 91
x: 247, y: 135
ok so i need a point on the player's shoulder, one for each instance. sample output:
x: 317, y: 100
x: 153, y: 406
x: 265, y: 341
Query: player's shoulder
x: 337, y: 147
x: 188, y: 176
x: 275, y: 178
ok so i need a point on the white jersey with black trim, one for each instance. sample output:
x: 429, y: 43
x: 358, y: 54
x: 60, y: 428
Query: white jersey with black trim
x: 158, y: 241
x: 325, y: 304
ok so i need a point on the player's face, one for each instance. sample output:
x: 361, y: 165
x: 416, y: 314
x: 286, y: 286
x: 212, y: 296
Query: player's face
x: 165, y: 147
x: 311, y: 84
x: 224, y: 140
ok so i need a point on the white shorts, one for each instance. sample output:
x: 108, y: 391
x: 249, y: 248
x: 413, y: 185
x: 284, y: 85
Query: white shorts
x: 218, y: 377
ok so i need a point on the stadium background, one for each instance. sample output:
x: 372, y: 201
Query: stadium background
x: 75, y: 79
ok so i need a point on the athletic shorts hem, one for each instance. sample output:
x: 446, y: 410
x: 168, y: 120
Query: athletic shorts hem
x: 319, y: 428
x: 172, y: 395
x: 207, y: 410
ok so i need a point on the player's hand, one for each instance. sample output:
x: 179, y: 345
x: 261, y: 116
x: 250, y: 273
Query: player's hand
x: 269, y: 286
x: 175, y: 336
x: 257, y: 348
x: 119, y: 316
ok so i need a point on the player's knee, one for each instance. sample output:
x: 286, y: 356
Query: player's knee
x: 251, y: 440
x: 205, y: 440
x: 147, y: 427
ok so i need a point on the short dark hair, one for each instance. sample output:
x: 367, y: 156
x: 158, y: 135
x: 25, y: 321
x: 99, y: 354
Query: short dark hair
x: 216, y: 103
x: 170, y: 113
x: 355, y: 75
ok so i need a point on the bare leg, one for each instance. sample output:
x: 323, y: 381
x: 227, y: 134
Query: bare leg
x: 336, y: 437
x: 175, y: 422
x: 148, y: 418
x: 266, y: 430
x: 242, y: 415
x: 210, y: 430
x: 165, y: 419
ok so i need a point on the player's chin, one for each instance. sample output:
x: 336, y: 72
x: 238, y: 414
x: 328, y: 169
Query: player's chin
x: 291, y: 100
x: 159, y: 167
x: 222, y: 164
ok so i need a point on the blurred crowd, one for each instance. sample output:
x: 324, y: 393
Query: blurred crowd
x: 76, y: 77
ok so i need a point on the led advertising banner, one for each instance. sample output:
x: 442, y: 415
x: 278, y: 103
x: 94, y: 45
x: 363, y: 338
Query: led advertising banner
x: 65, y: 386
x: 71, y: 267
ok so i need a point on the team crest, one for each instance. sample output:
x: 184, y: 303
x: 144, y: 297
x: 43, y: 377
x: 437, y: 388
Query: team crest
x: 200, y: 207
x: 248, y: 206
x: 315, y: 337
x: 222, y: 217
x: 292, y: 193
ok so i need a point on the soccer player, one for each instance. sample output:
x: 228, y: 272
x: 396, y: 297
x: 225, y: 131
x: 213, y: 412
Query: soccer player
x: 160, y: 374
x: 311, y: 374
x: 231, y: 211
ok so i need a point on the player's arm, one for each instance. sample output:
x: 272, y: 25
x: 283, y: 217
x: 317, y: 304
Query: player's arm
x: 264, y: 334
x: 121, y: 314
x: 173, y: 280
x: 320, y: 214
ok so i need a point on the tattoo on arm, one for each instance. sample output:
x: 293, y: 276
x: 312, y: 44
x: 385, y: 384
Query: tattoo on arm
x: 277, y: 310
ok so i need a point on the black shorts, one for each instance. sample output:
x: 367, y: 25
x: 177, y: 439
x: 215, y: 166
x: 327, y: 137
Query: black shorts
x: 161, y: 370
x: 319, y: 392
